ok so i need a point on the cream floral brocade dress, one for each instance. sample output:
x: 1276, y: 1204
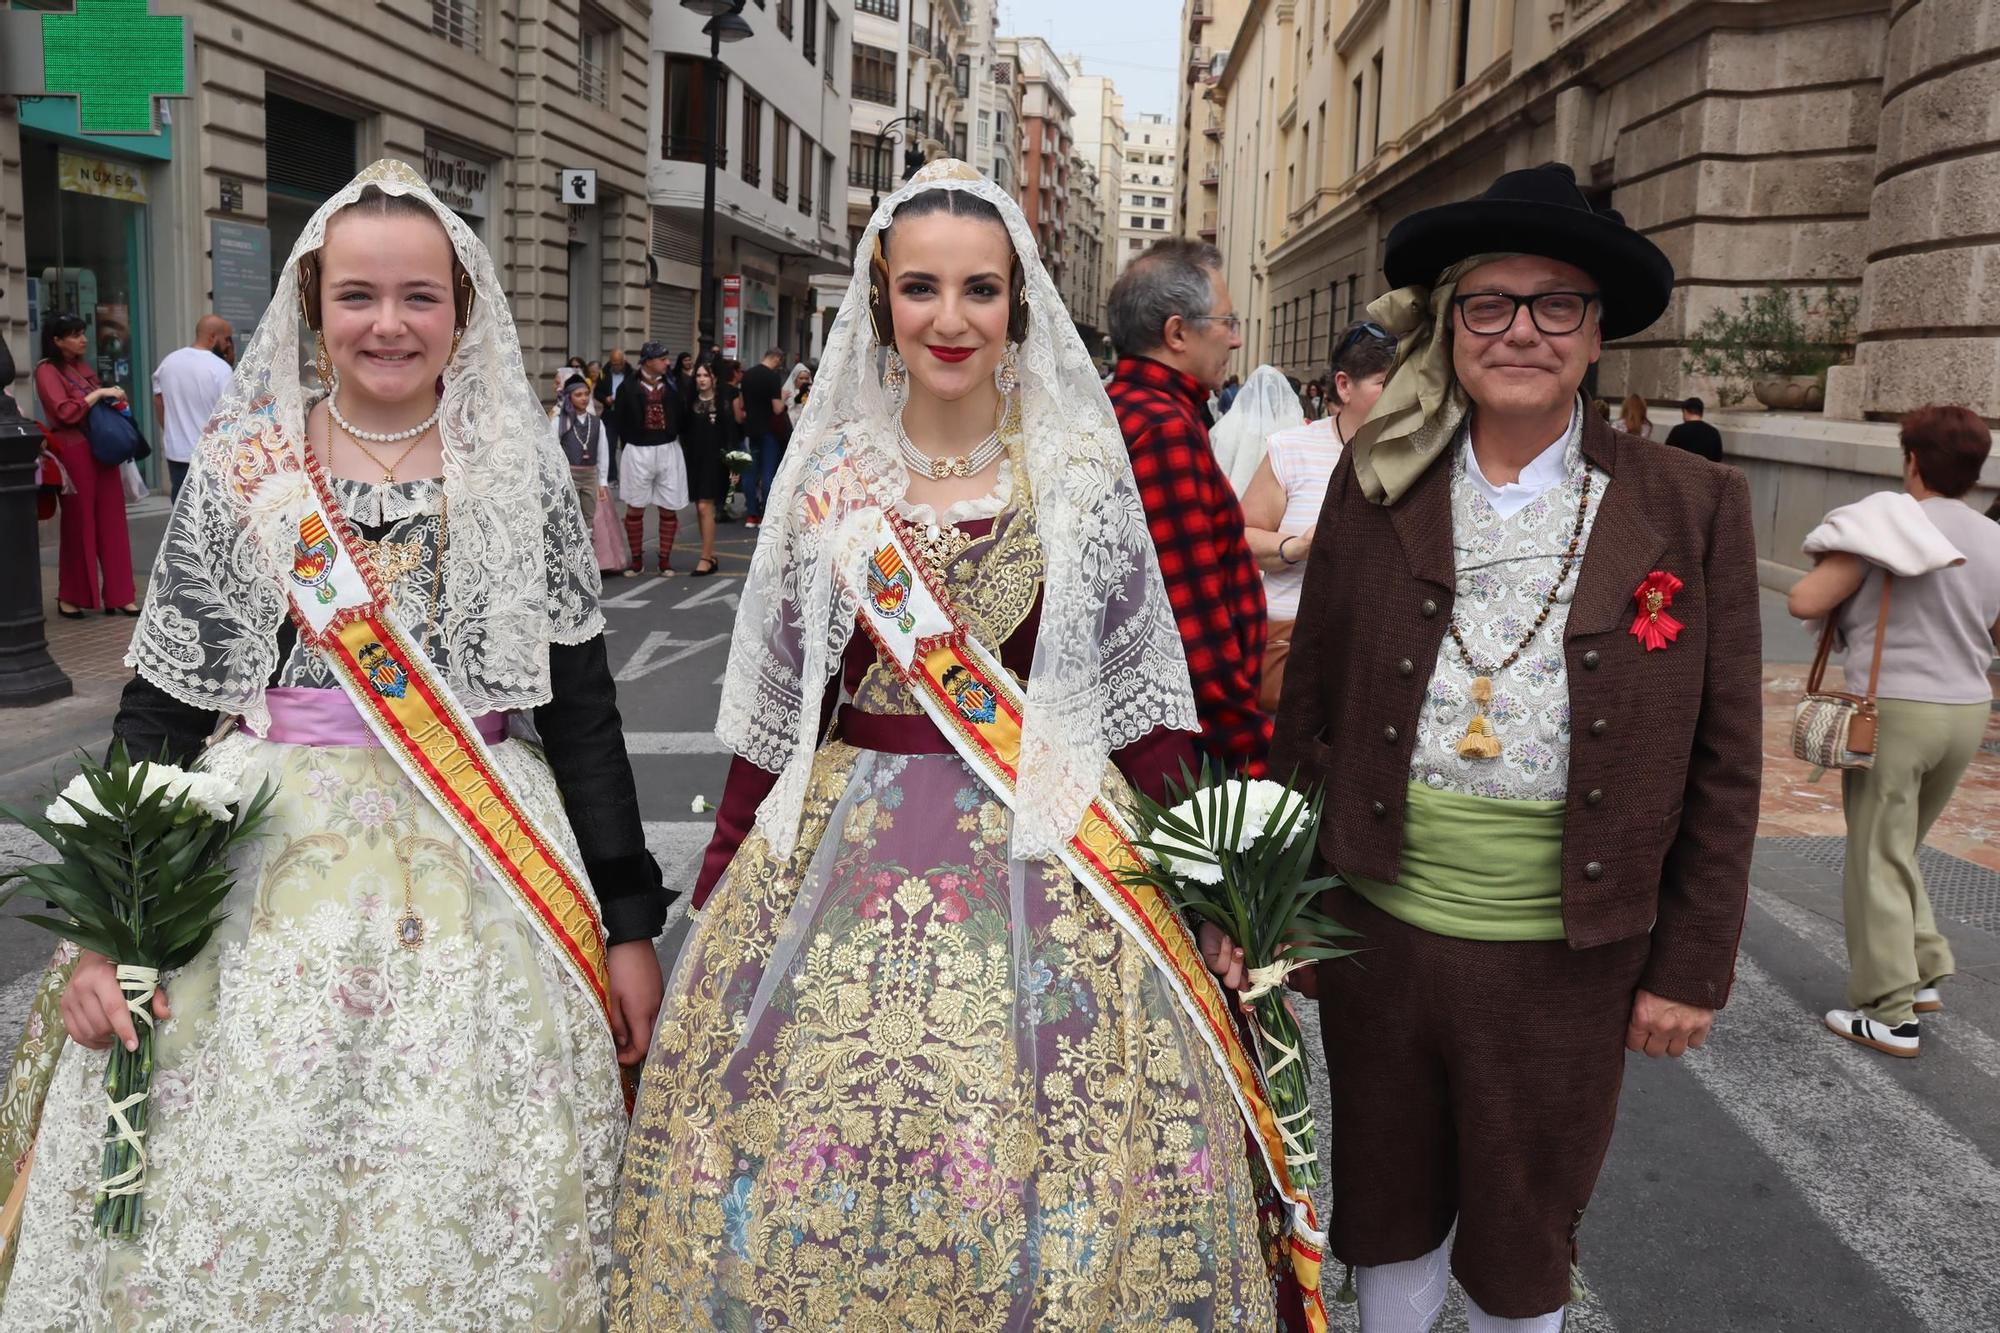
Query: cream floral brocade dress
x: 904, y: 1084
x: 347, y: 1134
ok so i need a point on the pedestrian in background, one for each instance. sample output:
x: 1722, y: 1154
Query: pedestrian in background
x: 1315, y: 401
x: 96, y: 549
x: 605, y: 390
x: 1225, y: 397
x: 652, y: 469
x: 186, y: 385
x: 1933, y: 703
x: 1174, y: 327
x: 683, y: 371
x: 1632, y: 417
x: 763, y: 394
x: 1695, y: 435
x: 798, y: 385
x: 580, y: 435
x: 1281, y: 506
x: 708, y: 431
x: 1264, y: 405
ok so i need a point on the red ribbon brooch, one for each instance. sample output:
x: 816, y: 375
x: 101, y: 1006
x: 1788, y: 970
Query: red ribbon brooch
x: 1653, y: 626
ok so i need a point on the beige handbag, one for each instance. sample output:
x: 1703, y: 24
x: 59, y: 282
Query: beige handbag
x: 1835, y: 729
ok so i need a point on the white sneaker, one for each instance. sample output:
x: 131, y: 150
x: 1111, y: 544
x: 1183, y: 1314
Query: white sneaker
x: 1929, y: 1001
x: 1857, y: 1027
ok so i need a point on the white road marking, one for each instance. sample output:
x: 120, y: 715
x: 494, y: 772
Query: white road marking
x: 716, y: 591
x: 662, y: 649
x: 1953, y: 1032
x: 673, y: 742
x: 638, y: 595
x: 1856, y: 1144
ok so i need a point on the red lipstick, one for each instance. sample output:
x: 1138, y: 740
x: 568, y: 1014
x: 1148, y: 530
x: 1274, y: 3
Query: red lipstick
x: 951, y: 355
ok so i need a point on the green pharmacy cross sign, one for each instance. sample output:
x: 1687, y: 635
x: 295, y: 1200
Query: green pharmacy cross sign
x: 113, y: 56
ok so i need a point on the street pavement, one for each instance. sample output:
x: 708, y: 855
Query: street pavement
x: 1779, y: 1180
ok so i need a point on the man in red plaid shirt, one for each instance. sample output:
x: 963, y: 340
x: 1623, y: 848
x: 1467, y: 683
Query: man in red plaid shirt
x: 1174, y: 328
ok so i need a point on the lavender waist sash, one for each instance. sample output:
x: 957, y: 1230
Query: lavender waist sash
x: 328, y: 717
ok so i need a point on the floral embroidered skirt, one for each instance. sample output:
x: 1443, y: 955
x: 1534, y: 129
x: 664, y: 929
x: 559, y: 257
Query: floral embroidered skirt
x: 347, y: 1133
x: 904, y: 1084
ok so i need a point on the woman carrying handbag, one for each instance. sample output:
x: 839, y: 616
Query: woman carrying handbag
x: 96, y: 550
x: 1911, y: 583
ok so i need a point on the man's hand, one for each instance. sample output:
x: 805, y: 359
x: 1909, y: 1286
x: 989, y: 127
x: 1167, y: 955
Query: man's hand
x: 1222, y: 955
x: 636, y: 990
x: 1665, y: 1027
x: 93, y: 1007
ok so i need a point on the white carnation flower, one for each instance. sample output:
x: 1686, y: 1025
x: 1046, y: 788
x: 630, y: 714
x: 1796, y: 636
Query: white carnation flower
x: 208, y: 795
x: 158, y: 777
x: 76, y: 797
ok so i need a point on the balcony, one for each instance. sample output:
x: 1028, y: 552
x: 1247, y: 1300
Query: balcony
x: 862, y: 178
x: 1197, y: 63
x: 1199, y: 12
x: 1212, y: 126
x: 920, y: 38
x: 887, y: 9
x: 1211, y: 176
x: 691, y: 148
x: 1207, y: 228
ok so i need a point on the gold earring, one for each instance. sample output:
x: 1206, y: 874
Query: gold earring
x: 323, y: 364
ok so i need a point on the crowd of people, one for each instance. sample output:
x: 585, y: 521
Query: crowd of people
x: 921, y: 1063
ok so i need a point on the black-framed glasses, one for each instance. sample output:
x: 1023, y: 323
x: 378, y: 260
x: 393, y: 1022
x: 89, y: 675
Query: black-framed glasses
x: 1488, y: 313
x: 1230, y: 322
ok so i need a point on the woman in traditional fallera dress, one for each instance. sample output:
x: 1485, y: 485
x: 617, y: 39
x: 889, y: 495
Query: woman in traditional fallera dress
x: 911, y: 1075
x: 386, y: 1097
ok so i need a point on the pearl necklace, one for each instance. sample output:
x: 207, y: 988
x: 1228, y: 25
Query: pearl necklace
x: 380, y: 437
x: 969, y: 464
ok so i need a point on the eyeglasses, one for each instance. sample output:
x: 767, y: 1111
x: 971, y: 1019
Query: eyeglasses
x: 1367, y: 328
x: 1230, y: 322
x: 1489, y: 313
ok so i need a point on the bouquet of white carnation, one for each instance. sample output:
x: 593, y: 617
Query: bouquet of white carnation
x: 1235, y: 852
x: 140, y: 877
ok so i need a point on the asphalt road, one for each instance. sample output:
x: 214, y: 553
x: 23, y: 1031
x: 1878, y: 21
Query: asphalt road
x: 1779, y: 1181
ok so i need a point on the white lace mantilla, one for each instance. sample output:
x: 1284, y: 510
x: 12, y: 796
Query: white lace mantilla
x: 1108, y: 666
x: 519, y: 572
x: 1504, y: 568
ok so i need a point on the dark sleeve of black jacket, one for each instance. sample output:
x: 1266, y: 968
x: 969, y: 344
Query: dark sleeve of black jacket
x: 581, y: 734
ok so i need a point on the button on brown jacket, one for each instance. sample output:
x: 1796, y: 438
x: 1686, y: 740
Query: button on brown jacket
x: 1665, y: 745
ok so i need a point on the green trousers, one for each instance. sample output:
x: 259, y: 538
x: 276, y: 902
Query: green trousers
x: 1893, y: 944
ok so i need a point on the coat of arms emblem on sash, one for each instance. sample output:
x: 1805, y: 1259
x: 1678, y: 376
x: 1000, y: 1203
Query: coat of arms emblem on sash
x: 889, y: 585
x: 313, y: 557
x: 384, y: 672
x: 972, y: 697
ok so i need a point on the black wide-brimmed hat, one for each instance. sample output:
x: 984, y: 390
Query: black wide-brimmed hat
x: 1539, y: 211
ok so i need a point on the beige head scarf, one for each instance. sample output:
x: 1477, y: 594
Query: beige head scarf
x: 1422, y: 405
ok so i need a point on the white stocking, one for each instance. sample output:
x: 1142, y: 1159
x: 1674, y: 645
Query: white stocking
x: 1478, y: 1321
x: 1404, y: 1297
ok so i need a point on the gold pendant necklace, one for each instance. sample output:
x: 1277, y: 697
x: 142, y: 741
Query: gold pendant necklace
x: 1480, y: 740
x: 410, y: 928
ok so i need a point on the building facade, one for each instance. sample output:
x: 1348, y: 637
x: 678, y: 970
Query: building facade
x: 1047, y: 145
x: 1084, y: 285
x: 1808, y: 146
x: 495, y: 102
x: 1146, y: 206
x: 1100, y: 141
x: 780, y: 187
x: 1198, y: 126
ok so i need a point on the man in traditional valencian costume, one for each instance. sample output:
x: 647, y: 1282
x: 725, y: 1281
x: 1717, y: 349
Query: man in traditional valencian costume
x: 1526, y: 667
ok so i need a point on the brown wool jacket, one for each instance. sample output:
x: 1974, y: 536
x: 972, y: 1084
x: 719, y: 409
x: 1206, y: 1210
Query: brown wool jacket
x: 1666, y: 751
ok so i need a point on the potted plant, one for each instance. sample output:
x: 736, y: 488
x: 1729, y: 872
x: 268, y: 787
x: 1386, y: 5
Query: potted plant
x: 1777, y: 345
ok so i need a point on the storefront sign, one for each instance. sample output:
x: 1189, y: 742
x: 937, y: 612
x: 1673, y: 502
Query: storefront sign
x: 103, y: 177
x: 578, y: 185
x: 112, y: 56
x: 462, y: 183
x: 240, y: 267
x: 732, y: 314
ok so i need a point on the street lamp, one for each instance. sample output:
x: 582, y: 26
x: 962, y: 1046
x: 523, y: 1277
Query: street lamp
x: 882, y: 136
x: 28, y: 675
x: 725, y: 24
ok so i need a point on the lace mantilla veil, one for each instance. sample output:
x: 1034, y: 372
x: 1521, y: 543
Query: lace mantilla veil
x: 1108, y: 665
x: 519, y: 573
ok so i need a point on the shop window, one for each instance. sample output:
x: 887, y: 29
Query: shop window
x: 459, y: 21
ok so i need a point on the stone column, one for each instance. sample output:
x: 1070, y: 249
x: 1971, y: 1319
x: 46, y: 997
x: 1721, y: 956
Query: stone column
x: 1930, y: 308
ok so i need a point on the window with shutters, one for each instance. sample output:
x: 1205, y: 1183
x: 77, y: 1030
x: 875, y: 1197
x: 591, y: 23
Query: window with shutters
x: 832, y: 45
x: 753, y: 135
x: 596, y: 43
x: 781, y: 152
x: 459, y: 21
x: 308, y: 153
x: 867, y: 165
x: 825, y: 186
x: 807, y: 161
x: 874, y: 74
x: 685, y: 133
